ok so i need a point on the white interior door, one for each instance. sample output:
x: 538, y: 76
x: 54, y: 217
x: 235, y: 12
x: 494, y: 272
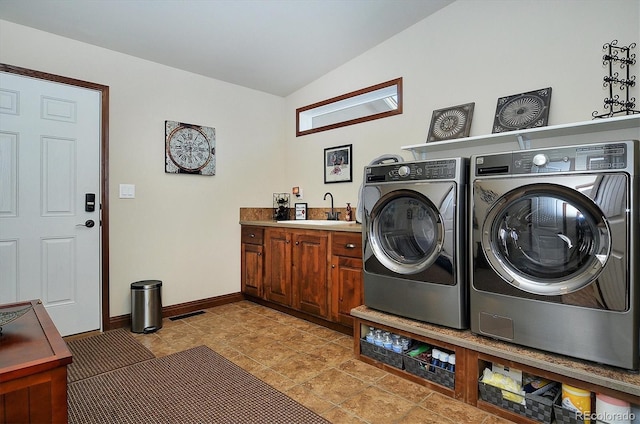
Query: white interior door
x: 49, y: 160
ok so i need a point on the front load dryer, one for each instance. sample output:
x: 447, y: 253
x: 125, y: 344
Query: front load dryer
x: 554, y: 250
x: 413, y: 234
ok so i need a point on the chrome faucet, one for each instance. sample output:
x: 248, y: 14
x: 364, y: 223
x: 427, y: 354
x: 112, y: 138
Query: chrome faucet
x: 331, y: 216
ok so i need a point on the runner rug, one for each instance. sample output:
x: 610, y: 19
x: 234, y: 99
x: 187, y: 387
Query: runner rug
x: 193, y: 386
x: 104, y: 352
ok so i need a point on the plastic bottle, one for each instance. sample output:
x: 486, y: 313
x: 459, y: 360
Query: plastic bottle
x: 349, y: 215
x: 444, y: 360
x: 452, y: 363
x: 370, y: 335
x: 435, y: 359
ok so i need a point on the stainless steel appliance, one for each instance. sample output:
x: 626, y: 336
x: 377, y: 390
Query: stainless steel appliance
x: 554, y: 252
x: 413, y: 234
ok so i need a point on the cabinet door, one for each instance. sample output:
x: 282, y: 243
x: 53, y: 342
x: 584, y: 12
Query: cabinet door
x: 252, y: 269
x: 277, y: 266
x: 309, y: 272
x: 347, y: 292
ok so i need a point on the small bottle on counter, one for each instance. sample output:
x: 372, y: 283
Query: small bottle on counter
x: 349, y: 215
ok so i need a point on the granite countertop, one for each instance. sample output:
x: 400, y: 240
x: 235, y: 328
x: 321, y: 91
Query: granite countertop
x: 353, y: 227
x: 589, y: 372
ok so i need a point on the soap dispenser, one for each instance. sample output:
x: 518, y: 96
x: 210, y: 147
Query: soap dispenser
x: 349, y: 214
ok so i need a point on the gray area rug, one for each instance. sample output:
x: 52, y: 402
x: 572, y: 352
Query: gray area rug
x: 104, y: 352
x: 194, y: 386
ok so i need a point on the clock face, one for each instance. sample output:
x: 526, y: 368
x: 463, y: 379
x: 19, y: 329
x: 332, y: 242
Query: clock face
x: 190, y: 149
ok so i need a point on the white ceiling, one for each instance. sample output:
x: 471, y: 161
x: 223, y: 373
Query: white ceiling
x: 275, y: 46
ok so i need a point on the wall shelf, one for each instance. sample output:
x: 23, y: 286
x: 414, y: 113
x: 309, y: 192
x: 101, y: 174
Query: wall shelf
x: 526, y: 136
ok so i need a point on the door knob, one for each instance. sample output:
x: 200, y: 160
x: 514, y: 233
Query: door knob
x: 88, y: 223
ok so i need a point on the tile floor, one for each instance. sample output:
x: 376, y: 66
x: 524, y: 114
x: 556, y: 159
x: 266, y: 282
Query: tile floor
x: 311, y: 364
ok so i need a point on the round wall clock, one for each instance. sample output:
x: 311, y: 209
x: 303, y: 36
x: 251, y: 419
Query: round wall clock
x: 189, y: 149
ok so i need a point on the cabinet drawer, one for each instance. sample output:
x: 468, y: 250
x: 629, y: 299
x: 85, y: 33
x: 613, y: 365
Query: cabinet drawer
x: 252, y: 235
x: 347, y: 244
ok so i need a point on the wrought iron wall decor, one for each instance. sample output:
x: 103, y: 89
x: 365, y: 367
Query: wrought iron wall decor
x: 618, y: 55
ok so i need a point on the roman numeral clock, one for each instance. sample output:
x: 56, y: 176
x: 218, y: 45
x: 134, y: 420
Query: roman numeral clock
x: 189, y: 149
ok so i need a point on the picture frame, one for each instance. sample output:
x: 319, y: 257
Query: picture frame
x: 451, y: 122
x: 301, y: 211
x: 522, y: 111
x: 338, y: 164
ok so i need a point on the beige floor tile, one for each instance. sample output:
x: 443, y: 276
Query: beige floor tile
x: 404, y: 388
x: 339, y: 415
x: 274, y: 379
x: 334, y: 385
x: 309, y: 399
x: 377, y: 406
x: 312, y: 364
x: 459, y: 412
x: 424, y: 416
x: 299, y: 368
x: 332, y: 354
x: 362, y: 371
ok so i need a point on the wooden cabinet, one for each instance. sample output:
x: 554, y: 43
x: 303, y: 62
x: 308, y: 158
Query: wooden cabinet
x: 33, y: 369
x: 252, y: 263
x: 306, y: 272
x: 346, y: 276
x: 296, y: 269
x: 309, y: 272
x: 277, y: 267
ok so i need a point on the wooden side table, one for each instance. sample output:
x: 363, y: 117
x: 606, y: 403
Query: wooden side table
x: 33, y: 368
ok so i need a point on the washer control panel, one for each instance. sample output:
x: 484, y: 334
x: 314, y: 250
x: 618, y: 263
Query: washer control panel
x: 444, y: 169
x: 595, y: 157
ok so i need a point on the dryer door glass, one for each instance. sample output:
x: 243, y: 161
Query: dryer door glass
x: 545, y: 239
x: 407, y: 233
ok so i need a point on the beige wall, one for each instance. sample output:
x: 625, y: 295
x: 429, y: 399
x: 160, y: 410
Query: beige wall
x: 180, y: 229
x: 184, y: 229
x: 470, y: 51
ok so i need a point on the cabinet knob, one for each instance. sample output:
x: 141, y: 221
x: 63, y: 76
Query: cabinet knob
x: 252, y: 235
x: 333, y: 266
x: 297, y: 243
x: 259, y: 254
x: 350, y: 246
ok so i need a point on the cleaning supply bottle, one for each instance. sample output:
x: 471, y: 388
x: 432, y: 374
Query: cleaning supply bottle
x: 348, y: 216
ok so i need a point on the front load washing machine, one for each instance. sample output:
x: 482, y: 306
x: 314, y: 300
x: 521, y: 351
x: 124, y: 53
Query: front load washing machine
x: 554, y: 250
x: 413, y: 232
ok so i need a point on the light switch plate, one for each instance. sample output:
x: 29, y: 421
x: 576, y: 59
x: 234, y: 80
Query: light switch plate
x: 127, y: 191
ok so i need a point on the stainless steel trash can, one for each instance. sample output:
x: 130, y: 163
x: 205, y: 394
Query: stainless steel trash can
x: 146, y: 306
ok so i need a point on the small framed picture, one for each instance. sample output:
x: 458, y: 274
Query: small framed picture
x: 337, y: 164
x: 301, y: 211
x: 452, y: 122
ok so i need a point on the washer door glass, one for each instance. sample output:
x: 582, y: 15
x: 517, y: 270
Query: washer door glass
x: 546, y: 239
x: 406, y: 232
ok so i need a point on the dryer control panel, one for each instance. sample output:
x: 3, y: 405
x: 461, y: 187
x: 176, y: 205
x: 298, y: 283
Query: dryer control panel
x: 595, y: 157
x: 444, y: 169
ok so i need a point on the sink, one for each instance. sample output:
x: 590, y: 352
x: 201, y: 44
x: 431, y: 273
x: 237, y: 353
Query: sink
x: 316, y: 222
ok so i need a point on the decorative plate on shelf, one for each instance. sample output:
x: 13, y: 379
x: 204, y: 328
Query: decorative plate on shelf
x: 521, y: 111
x: 7, y: 317
x: 452, y: 122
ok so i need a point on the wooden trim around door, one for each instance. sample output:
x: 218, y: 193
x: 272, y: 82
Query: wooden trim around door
x: 104, y: 168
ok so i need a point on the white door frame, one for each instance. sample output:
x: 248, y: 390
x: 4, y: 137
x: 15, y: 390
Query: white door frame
x: 104, y: 170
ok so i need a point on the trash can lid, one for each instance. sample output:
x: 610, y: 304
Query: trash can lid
x: 146, y: 284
